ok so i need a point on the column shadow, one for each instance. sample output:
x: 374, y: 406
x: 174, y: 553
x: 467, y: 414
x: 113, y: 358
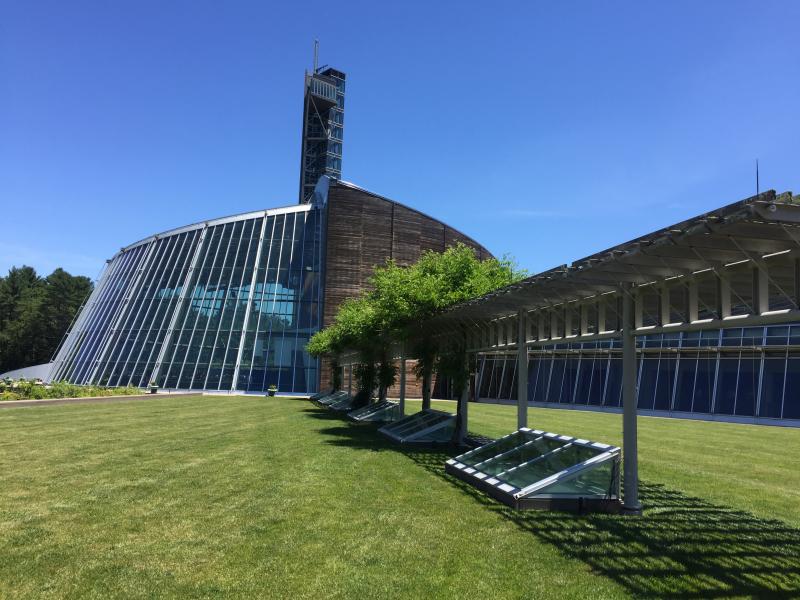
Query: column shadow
x: 682, y: 547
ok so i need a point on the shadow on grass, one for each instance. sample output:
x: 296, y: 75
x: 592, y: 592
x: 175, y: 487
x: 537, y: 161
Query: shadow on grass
x: 682, y: 547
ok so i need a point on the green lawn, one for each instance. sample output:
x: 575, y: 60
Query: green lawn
x: 256, y: 497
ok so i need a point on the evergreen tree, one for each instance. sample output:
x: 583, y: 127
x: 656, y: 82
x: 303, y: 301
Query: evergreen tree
x: 35, y: 313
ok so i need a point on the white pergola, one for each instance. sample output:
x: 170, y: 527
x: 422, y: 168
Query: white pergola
x: 735, y: 266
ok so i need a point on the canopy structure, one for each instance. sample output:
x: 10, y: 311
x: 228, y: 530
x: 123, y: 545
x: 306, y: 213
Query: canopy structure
x: 735, y: 266
x: 538, y: 469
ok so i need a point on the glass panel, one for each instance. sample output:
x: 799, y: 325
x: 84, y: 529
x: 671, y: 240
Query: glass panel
x: 726, y: 385
x: 687, y: 367
x: 647, y: 382
x: 704, y: 385
x: 534, y: 450
x: 772, y: 387
x: 494, y: 448
x: 665, y: 386
x: 791, y: 395
x: 550, y: 464
x: 599, y: 480
x: 747, y: 387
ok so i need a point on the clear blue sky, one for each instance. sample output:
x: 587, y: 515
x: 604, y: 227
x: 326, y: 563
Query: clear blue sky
x: 545, y: 130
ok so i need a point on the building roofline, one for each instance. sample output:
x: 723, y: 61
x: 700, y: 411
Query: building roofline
x: 349, y: 184
x: 218, y: 221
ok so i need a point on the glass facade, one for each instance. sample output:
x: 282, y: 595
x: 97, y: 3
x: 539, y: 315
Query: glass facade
x: 225, y: 305
x: 737, y: 372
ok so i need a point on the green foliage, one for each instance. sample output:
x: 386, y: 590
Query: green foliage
x: 34, y: 390
x: 402, y: 299
x: 227, y: 497
x: 35, y: 313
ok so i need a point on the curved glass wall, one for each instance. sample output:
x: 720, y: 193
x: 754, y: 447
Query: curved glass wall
x: 225, y: 305
x: 737, y: 372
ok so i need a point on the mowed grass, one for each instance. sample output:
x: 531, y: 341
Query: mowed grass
x: 750, y: 467
x: 273, y: 498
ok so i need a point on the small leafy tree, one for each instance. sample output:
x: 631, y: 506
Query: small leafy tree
x: 400, y: 302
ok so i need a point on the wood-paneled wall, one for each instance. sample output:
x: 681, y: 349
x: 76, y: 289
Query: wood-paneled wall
x: 365, y: 230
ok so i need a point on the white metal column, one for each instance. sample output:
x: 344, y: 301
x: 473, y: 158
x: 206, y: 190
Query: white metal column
x: 522, y: 370
x: 630, y: 498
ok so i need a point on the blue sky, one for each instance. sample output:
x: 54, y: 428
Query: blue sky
x: 545, y: 130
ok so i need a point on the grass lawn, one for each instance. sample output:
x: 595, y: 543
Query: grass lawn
x: 256, y: 497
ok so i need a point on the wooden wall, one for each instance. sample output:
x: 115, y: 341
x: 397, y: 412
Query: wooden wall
x: 365, y: 230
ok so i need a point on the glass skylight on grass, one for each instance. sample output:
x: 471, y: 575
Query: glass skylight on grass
x: 425, y: 426
x: 344, y: 403
x: 379, y: 411
x: 538, y: 469
x: 331, y: 398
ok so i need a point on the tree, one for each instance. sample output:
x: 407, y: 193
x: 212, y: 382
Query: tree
x: 35, y: 313
x: 401, y: 301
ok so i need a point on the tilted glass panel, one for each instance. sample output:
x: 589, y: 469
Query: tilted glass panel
x: 595, y: 480
x: 425, y: 421
x: 168, y: 297
x: 126, y: 334
x: 550, y: 464
x: 108, y: 310
x: 494, y: 448
x: 532, y: 450
x: 176, y: 355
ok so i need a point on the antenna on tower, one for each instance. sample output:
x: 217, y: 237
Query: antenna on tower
x: 757, y: 185
x: 316, y: 55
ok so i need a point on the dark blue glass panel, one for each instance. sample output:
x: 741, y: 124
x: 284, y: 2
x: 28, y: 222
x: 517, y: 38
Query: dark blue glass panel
x: 647, y: 382
x: 726, y: 385
x: 704, y: 385
x: 687, y: 367
x: 614, y: 384
x: 556, y: 380
x: 791, y: 396
x: 543, y: 379
x: 747, y: 388
x: 599, y: 376
x: 665, y: 386
x: 584, y: 380
x: 772, y: 387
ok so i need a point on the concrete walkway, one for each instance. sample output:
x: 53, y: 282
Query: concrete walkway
x: 88, y: 400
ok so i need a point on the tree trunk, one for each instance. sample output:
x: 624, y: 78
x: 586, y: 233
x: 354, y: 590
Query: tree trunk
x: 426, y: 389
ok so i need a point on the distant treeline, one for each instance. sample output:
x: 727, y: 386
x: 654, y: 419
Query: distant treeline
x: 35, y: 312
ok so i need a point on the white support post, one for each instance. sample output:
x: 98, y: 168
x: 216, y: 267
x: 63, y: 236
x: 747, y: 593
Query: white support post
x: 601, y: 315
x: 568, y: 320
x: 630, y: 497
x: 694, y: 302
x: 462, y: 426
x: 664, y: 306
x: 638, y: 307
x: 403, y: 384
x: 542, y: 326
x: 761, y: 278
x: 724, y: 296
x: 522, y: 371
